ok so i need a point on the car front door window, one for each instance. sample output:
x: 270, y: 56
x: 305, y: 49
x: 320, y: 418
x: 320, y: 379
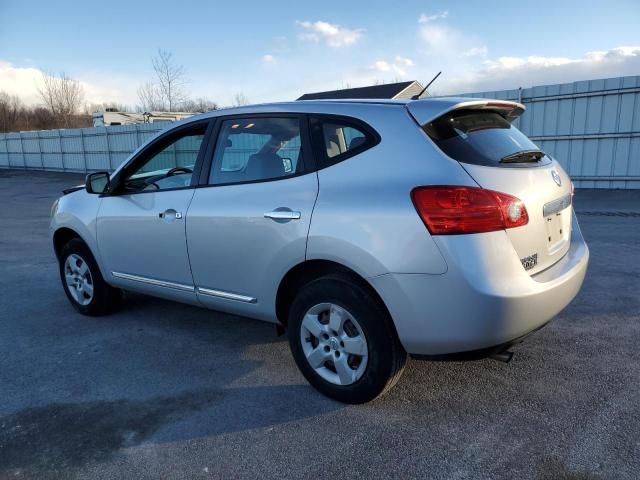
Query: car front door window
x: 169, y: 165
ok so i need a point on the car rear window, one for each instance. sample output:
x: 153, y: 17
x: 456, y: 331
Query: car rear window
x: 478, y: 137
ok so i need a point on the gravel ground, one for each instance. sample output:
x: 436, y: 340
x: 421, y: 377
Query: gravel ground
x: 161, y: 390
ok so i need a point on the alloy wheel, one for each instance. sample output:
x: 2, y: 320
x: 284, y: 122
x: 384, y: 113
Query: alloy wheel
x: 78, y: 278
x: 334, y: 344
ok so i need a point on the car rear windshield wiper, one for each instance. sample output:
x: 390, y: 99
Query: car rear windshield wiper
x: 523, y: 156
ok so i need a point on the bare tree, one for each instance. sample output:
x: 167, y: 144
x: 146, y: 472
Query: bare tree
x: 171, y: 79
x: 198, y: 105
x: 168, y: 92
x: 240, y: 99
x: 11, y: 108
x: 62, y: 96
x: 150, y: 98
x: 89, y: 108
x: 16, y: 116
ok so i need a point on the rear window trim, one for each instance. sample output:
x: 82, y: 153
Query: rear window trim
x: 316, y: 120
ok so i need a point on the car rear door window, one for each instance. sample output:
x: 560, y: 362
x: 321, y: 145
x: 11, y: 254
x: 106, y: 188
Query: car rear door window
x: 254, y: 149
x: 337, y: 139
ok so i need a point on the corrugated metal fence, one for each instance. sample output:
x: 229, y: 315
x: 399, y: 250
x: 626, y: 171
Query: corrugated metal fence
x: 74, y: 150
x: 591, y: 127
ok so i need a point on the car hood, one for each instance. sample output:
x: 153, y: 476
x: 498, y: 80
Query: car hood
x: 69, y: 190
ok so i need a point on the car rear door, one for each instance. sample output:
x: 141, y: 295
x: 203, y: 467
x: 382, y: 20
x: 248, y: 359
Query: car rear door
x: 249, y: 219
x: 141, y: 224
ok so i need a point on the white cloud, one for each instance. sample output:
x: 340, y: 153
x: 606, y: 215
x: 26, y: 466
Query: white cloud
x: 460, y: 74
x: 513, y: 72
x: 268, y: 58
x: 382, y: 66
x: 333, y: 35
x: 398, y: 66
x: 467, y: 67
x: 444, y: 42
x: 403, y: 61
x: 430, y: 18
x: 476, y: 52
x: 445, y: 48
x: 511, y: 63
x: 24, y: 82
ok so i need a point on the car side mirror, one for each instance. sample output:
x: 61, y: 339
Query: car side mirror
x: 97, y: 182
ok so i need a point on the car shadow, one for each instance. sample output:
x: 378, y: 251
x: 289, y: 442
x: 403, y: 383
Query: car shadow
x: 152, y: 373
x: 60, y: 437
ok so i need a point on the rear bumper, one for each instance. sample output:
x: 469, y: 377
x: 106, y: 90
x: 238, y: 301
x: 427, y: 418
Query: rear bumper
x: 485, y: 299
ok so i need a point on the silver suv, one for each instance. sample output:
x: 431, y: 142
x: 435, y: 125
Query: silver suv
x: 366, y: 229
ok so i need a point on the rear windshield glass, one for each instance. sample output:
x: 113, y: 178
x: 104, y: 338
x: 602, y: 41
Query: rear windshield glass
x: 480, y: 138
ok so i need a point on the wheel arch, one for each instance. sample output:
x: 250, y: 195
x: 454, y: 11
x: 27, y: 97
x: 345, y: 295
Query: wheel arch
x: 62, y: 236
x: 309, y: 270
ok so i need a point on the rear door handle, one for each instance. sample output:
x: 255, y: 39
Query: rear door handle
x: 170, y: 215
x: 283, y: 215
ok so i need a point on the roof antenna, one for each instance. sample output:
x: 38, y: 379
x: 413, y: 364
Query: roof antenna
x: 417, y: 97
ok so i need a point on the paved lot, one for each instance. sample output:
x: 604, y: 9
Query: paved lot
x: 162, y: 390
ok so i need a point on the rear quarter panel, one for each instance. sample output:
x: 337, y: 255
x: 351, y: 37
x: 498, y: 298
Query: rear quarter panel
x: 364, y: 217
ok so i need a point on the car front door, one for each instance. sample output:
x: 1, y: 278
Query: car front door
x: 248, y: 225
x: 141, y: 224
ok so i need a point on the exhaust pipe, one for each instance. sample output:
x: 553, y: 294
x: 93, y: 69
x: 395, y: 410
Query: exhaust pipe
x: 504, y: 357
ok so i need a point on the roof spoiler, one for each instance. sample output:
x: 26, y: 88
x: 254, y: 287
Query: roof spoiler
x: 425, y: 111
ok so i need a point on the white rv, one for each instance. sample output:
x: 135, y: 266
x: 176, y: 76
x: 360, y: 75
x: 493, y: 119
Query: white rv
x: 111, y: 117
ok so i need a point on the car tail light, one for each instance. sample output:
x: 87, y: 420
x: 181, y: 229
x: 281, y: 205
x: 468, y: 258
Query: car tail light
x: 452, y: 210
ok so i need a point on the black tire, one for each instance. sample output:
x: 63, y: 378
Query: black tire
x: 386, y: 356
x: 105, y: 298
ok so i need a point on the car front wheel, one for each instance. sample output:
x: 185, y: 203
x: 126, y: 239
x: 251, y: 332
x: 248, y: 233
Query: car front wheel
x: 83, y: 283
x: 343, y: 340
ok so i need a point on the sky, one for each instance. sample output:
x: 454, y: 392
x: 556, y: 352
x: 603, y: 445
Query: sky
x: 277, y: 50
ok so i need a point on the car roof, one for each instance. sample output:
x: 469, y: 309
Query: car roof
x: 423, y: 110
x: 296, y: 105
x: 302, y: 106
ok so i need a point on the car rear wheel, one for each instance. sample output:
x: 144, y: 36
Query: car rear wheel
x: 83, y: 283
x: 343, y: 340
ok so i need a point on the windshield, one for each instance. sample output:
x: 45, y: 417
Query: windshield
x: 479, y: 137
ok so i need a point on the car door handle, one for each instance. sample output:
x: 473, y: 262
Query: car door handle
x: 283, y: 215
x: 170, y: 214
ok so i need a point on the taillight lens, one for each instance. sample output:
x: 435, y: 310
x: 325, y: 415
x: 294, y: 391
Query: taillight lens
x: 452, y: 210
